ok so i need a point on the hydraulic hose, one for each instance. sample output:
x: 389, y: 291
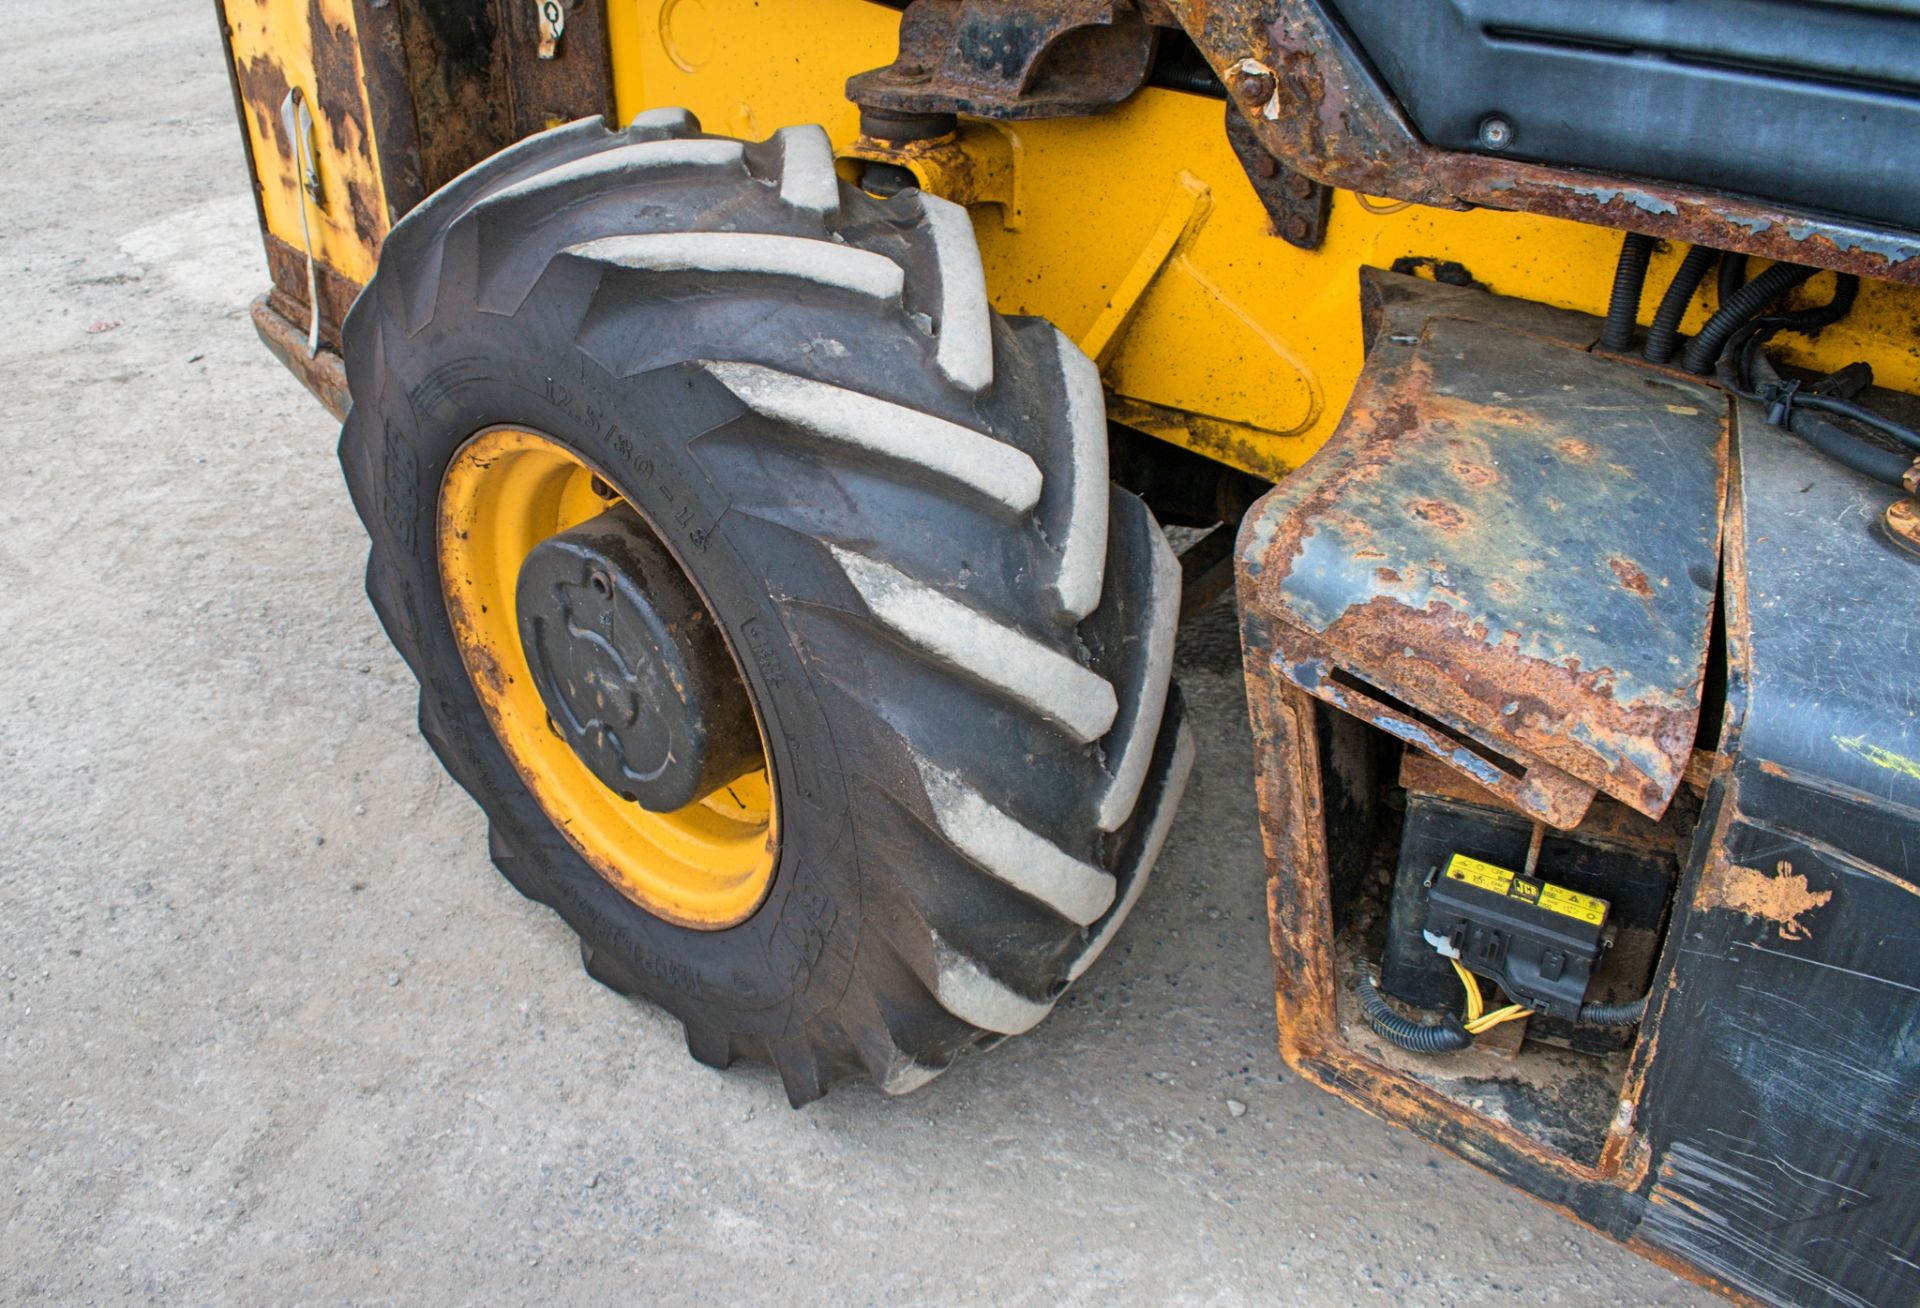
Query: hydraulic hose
x: 1664, y: 334
x: 1416, y: 1037
x: 1703, y: 351
x: 1866, y: 417
x: 1625, y: 1013
x: 1733, y: 275
x: 1629, y: 279
x: 1789, y: 408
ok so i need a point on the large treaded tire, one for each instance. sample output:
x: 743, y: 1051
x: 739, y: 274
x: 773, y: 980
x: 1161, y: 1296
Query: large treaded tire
x: 957, y: 633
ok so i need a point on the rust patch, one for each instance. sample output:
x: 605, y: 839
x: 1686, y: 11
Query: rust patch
x: 1470, y: 678
x: 1441, y: 514
x: 287, y: 266
x: 263, y: 84
x: 322, y: 373
x: 1782, y: 897
x: 1631, y: 577
x: 1477, y: 475
x: 336, y: 84
x: 1577, y: 450
x: 366, y: 216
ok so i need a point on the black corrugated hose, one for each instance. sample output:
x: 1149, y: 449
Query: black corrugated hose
x: 1846, y: 289
x: 1703, y: 351
x: 1442, y: 1038
x: 1625, y: 1013
x: 1664, y: 334
x: 1629, y: 279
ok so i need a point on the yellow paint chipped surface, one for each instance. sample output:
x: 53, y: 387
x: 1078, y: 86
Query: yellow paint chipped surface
x: 1240, y: 346
x: 273, y: 50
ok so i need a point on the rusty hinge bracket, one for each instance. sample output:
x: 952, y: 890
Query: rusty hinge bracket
x: 1011, y: 59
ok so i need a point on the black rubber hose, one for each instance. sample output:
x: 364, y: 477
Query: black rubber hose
x: 1871, y: 460
x: 1664, y: 334
x: 1629, y: 279
x: 1733, y: 275
x: 1864, y: 457
x: 1415, y: 1037
x: 1771, y: 388
x: 1627, y: 1012
x: 1866, y: 417
x: 1703, y: 351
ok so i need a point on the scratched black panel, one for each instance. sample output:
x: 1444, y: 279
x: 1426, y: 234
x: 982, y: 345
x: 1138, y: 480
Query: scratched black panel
x: 1835, y: 663
x: 1784, y: 1102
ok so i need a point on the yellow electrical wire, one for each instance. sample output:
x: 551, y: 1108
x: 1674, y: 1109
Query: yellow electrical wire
x: 1475, y: 1004
x: 1479, y: 1020
x: 1484, y: 1024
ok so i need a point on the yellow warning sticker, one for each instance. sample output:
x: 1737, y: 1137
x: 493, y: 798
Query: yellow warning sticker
x: 1571, y: 903
x: 1499, y: 881
x: 1484, y: 876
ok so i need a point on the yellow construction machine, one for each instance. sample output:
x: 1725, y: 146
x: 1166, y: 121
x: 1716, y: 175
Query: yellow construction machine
x: 771, y: 417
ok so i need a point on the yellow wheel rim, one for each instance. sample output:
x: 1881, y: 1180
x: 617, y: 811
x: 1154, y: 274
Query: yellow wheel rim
x: 707, y: 865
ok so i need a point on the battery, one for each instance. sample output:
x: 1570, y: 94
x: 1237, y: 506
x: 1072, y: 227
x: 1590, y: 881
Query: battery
x: 1539, y: 941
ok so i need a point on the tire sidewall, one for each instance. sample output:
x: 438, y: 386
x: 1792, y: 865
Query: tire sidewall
x: 794, y: 954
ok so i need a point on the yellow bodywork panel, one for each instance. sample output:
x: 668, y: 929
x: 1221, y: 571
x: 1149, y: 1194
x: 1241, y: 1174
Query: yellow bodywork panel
x: 311, y: 44
x: 1138, y: 234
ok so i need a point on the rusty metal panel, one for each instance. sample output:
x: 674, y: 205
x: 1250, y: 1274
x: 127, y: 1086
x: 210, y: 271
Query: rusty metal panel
x: 406, y: 96
x: 1318, y: 108
x: 1763, y: 1142
x: 309, y: 46
x: 1507, y: 554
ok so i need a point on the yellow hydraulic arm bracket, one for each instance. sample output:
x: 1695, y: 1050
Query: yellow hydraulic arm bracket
x: 977, y: 164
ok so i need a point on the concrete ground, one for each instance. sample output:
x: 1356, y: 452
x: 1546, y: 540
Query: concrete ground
x: 275, y: 1032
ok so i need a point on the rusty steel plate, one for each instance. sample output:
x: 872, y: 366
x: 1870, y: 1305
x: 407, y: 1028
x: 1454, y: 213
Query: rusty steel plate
x: 1507, y: 554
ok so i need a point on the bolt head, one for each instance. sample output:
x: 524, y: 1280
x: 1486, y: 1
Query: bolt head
x: 1300, y: 188
x: 1496, y: 133
x: 1252, y: 81
x: 1295, y: 228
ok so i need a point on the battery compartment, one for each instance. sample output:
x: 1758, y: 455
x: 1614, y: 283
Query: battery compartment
x: 1394, y: 817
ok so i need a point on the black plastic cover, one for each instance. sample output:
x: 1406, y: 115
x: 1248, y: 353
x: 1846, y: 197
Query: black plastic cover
x: 1786, y: 1129
x: 1538, y: 940
x: 1635, y: 880
x: 1811, y: 103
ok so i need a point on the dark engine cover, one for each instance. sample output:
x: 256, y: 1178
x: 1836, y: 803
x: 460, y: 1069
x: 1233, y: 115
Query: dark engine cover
x: 1813, y: 104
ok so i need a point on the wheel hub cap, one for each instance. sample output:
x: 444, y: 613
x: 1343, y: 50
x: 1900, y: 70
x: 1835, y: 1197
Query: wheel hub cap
x: 633, y: 673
